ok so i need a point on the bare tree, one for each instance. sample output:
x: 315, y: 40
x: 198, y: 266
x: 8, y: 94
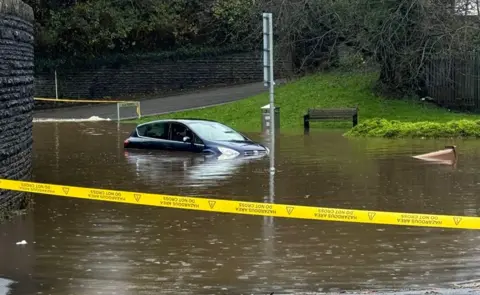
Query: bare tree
x: 401, y: 36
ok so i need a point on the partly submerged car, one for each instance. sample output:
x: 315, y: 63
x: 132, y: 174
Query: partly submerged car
x: 194, y: 135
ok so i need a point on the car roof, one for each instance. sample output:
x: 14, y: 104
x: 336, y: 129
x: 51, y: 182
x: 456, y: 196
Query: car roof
x: 185, y: 121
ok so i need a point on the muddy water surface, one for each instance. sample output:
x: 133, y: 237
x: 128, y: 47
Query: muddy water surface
x: 85, y: 247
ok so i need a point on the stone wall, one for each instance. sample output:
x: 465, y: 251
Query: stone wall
x: 146, y: 76
x: 16, y: 98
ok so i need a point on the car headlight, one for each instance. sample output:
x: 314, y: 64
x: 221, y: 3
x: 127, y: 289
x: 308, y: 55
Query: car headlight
x: 268, y: 150
x: 228, y: 153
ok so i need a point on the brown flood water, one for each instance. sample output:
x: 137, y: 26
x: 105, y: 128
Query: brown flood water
x: 86, y: 247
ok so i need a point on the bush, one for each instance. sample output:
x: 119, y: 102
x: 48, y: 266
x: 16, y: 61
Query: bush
x: 395, y: 129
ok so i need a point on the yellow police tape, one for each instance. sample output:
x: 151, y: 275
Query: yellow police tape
x: 123, y: 102
x: 83, y: 100
x: 250, y: 208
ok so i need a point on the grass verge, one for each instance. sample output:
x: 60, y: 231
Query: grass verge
x: 324, y: 90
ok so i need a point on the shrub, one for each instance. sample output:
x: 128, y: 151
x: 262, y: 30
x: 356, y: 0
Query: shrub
x: 395, y: 129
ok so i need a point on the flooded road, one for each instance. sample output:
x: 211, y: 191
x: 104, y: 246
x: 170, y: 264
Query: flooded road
x: 85, y: 247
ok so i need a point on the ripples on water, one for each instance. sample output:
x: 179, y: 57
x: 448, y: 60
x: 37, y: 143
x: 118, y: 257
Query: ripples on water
x: 79, y: 246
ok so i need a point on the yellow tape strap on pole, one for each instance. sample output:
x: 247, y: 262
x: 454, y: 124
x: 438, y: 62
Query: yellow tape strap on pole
x: 249, y: 208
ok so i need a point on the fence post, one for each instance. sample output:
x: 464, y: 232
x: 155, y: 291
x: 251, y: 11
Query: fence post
x: 475, y: 75
x: 139, y: 113
x: 56, y: 85
x: 118, y: 112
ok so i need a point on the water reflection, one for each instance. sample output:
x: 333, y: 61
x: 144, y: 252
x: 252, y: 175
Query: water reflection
x: 269, y: 233
x: 184, y: 169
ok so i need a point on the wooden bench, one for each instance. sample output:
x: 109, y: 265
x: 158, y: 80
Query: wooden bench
x: 330, y: 114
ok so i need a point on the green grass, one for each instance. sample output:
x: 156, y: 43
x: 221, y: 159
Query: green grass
x: 321, y: 91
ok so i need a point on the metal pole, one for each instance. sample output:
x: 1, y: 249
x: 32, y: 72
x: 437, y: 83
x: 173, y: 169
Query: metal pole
x: 139, y: 112
x: 118, y: 112
x: 56, y: 85
x: 57, y: 152
x: 272, y: 100
x: 118, y: 138
x: 269, y: 80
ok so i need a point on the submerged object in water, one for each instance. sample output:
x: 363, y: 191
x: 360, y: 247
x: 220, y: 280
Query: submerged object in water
x: 446, y: 156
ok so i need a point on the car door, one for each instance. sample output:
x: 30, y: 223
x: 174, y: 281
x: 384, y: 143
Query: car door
x: 154, y: 136
x: 198, y: 144
x: 177, y: 133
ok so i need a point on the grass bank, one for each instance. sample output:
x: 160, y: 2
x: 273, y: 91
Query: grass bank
x: 322, y: 91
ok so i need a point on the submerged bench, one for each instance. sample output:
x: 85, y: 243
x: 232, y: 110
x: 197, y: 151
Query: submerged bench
x: 330, y: 114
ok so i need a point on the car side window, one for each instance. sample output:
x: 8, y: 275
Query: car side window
x: 197, y: 140
x: 154, y: 130
x: 179, y: 131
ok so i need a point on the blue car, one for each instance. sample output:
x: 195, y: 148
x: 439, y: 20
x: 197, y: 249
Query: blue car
x: 194, y: 135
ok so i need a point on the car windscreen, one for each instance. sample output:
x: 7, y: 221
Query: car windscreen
x: 215, y: 131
